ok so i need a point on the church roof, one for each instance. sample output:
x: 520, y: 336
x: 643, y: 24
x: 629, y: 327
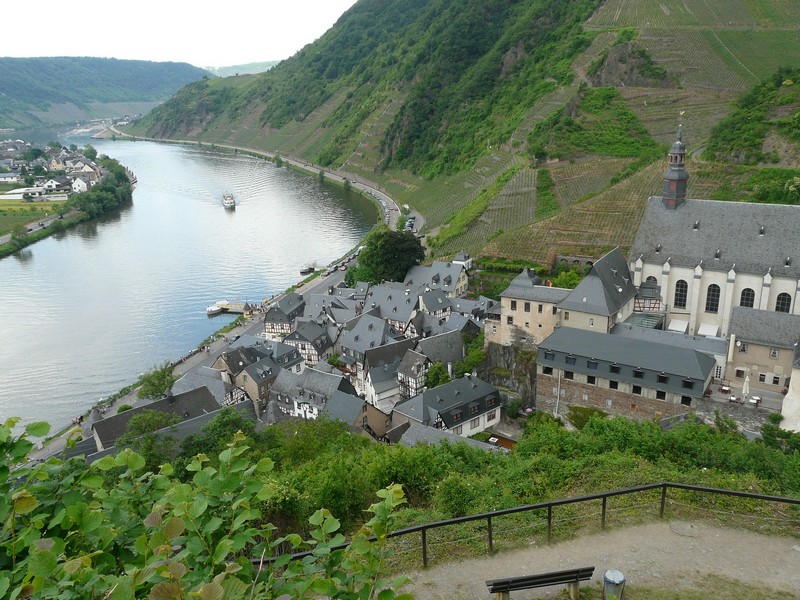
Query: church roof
x: 743, y: 236
x: 606, y: 288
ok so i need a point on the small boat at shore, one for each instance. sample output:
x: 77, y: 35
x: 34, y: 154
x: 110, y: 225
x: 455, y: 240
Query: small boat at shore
x: 228, y: 201
x: 217, y: 308
x: 307, y: 270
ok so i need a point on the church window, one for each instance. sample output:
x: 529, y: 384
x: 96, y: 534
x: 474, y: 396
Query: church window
x: 651, y: 279
x: 681, y: 292
x: 783, y: 303
x: 748, y: 298
x: 712, y: 298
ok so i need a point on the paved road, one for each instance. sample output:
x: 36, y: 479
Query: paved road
x: 36, y: 225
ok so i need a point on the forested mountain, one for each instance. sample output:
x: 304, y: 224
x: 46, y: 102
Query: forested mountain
x: 32, y: 90
x: 518, y: 128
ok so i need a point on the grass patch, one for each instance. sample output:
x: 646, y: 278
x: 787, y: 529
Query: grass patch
x: 600, y: 124
x: 20, y: 212
x: 546, y: 203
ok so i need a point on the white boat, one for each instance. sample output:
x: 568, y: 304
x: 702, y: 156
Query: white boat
x: 217, y: 308
x: 228, y: 201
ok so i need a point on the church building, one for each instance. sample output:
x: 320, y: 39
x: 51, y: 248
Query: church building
x: 709, y: 257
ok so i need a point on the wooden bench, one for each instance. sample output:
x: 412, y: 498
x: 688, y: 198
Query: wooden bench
x: 502, y: 588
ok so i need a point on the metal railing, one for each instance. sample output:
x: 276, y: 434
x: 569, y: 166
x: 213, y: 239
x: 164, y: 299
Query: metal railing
x: 550, y: 505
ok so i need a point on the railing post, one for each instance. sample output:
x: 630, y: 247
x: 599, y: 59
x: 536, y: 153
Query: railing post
x: 424, y: 547
x: 603, y: 518
x: 491, y: 540
x: 663, y: 499
x: 549, y: 522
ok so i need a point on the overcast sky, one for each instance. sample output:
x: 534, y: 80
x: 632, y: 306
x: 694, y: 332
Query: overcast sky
x: 204, y: 34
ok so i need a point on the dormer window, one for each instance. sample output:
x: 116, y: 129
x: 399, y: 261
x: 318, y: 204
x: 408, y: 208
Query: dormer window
x: 762, y: 230
x: 717, y: 254
x: 788, y: 261
x: 658, y: 249
x: 696, y: 225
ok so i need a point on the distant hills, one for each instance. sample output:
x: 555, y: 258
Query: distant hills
x: 246, y: 69
x: 521, y: 129
x: 40, y: 91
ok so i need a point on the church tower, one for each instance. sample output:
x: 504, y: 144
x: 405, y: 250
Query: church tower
x: 675, y: 177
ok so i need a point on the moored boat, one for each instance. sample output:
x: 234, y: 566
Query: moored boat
x: 228, y: 201
x: 217, y: 308
x: 307, y: 270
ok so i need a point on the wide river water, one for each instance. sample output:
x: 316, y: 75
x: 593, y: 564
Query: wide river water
x: 85, y: 312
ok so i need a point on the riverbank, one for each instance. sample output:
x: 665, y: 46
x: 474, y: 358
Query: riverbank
x: 43, y: 227
x: 390, y: 211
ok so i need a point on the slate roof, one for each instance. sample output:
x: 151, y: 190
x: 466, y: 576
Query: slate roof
x: 203, y: 377
x: 264, y: 370
x: 462, y: 324
x: 434, y: 300
x: 397, y: 305
x: 449, y: 400
x: 237, y: 359
x: 301, y: 386
x: 344, y: 407
x: 765, y: 327
x: 444, y: 348
x: 365, y: 332
x: 188, y: 405
x: 388, y: 353
x: 528, y: 286
x: 475, y: 308
x: 384, y: 377
x: 415, y: 434
x: 629, y: 353
x: 443, y: 275
x: 312, y: 333
x: 606, y: 288
x: 284, y: 309
x: 413, y: 364
x: 709, y: 345
x: 733, y: 228
x: 319, y: 304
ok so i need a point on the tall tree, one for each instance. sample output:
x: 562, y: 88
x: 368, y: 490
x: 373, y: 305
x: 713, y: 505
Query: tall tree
x: 388, y: 255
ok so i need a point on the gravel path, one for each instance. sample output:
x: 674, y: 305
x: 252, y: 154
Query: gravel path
x: 663, y: 554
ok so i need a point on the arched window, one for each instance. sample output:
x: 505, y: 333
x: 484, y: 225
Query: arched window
x: 681, y: 292
x: 712, y: 298
x: 651, y: 279
x: 783, y: 303
x: 748, y: 298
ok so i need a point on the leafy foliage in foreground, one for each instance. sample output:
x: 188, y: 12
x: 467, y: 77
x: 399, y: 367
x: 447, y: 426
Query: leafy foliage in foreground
x: 66, y: 534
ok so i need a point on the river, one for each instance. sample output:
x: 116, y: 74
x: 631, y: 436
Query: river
x: 87, y: 311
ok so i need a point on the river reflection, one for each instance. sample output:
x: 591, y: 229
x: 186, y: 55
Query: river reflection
x: 86, y: 311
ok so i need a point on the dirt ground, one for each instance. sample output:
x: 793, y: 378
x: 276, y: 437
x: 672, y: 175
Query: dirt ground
x: 668, y: 555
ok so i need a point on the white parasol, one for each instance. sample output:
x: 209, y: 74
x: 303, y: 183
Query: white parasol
x: 746, y: 387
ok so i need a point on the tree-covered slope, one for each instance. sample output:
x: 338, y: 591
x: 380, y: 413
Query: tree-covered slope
x: 467, y: 72
x: 29, y: 86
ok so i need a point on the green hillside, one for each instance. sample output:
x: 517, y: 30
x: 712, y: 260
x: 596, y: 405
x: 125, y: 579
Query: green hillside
x: 30, y: 88
x: 434, y: 100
